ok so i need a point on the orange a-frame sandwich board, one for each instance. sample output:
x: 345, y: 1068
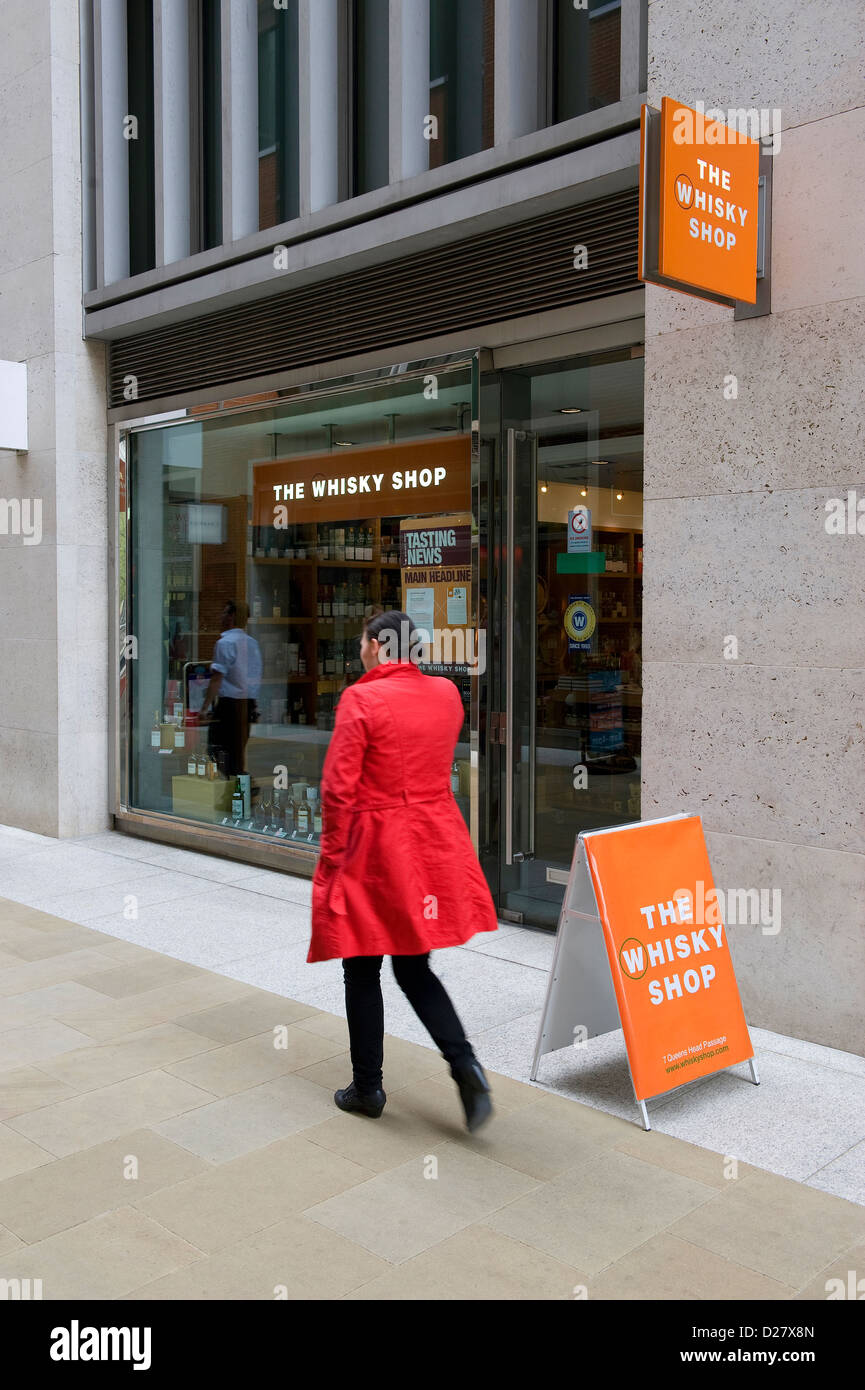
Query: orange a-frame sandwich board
x: 660, y: 965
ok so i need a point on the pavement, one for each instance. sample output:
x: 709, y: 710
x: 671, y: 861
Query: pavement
x: 167, y: 1127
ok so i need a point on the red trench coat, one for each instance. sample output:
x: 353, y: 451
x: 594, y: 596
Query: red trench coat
x: 398, y: 875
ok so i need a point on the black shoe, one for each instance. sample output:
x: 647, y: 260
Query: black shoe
x: 364, y: 1103
x: 474, y: 1093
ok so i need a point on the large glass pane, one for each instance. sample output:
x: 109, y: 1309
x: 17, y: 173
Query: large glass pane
x: 461, y: 78
x: 584, y: 606
x: 586, y: 47
x: 278, y: 171
x: 260, y: 540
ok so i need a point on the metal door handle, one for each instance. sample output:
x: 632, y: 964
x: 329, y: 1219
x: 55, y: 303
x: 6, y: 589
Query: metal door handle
x: 507, y: 724
x: 513, y: 436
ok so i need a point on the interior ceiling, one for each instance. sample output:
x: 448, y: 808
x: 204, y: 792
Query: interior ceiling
x: 609, y: 395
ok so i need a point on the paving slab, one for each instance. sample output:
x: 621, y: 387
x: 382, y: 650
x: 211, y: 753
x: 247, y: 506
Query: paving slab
x: 169, y: 1132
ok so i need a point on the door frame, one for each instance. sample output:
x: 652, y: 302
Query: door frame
x: 489, y: 500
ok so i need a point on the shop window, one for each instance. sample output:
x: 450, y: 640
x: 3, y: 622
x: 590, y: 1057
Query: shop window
x: 259, y: 541
x: 461, y: 78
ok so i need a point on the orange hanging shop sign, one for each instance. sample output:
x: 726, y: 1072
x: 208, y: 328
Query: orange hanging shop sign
x: 707, y: 232
x: 667, y: 946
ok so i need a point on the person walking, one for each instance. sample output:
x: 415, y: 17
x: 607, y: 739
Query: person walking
x: 398, y: 874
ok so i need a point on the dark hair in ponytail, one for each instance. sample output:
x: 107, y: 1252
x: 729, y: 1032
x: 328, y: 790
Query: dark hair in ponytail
x: 395, y: 631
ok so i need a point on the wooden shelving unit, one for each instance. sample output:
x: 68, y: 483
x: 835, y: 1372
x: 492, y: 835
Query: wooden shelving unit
x: 617, y: 598
x: 309, y: 696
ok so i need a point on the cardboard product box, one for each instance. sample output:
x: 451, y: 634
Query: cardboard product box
x: 200, y: 799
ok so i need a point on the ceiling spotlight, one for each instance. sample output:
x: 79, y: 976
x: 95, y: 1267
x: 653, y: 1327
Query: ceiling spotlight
x: 583, y: 492
x: 343, y: 443
x: 570, y: 410
x: 618, y: 497
x: 600, y: 463
x: 543, y: 487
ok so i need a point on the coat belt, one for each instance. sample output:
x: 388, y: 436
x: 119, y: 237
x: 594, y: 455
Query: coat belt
x: 405, y: 799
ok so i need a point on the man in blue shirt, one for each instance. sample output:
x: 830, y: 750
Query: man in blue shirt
x: 235, y: 680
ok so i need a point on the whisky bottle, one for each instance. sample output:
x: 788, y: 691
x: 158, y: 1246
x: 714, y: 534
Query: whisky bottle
x: 155, y: 732
x: 237, y: 802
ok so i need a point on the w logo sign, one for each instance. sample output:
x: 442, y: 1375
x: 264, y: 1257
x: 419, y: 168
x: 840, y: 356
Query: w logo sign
x: 684, y: 191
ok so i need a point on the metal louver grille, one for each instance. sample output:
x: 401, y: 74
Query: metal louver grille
x: 507, y: 273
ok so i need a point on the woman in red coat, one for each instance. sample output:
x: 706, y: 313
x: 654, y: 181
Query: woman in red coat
x: 398, y: 875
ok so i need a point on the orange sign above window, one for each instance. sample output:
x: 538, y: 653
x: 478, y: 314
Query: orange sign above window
x: 418, y: 476
x: 707, y: 233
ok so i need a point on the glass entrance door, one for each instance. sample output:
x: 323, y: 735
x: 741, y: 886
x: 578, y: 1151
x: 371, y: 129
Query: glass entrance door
x: 565, y: 584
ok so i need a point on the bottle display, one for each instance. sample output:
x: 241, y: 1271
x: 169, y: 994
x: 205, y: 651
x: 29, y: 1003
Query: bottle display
x: 309, y: 576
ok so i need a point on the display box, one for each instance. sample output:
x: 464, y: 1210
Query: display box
x: 201, y: 799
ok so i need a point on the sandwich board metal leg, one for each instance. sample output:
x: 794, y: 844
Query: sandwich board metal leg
x: 754, y: 1077
x: 642, y: 1105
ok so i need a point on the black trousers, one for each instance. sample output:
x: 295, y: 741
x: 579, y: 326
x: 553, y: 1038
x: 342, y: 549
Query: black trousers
x: 228, y: 735
x: 365, y: 1013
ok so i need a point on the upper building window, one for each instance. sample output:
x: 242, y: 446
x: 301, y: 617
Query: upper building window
x: 205, y: 87
x: 461, y: 78
x: 583, y: 52
x: 139, y: 76
x: 278, y: 172
x: 369, y: 46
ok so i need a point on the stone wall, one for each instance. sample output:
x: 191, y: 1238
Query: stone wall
x: 767, y: 747
x: 53, y: 595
